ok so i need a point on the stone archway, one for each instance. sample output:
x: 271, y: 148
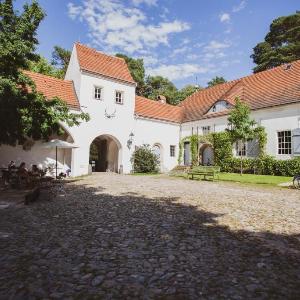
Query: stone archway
x: 206, y: 154
x: 105, y: 154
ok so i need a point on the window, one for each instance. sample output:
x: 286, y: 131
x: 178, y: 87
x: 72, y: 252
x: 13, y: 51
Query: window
x: 119, y: 97
x: 98, y: 93
x: 284, y: 142
x: 205, y: 130
x: 172, y: 151
x: 241, y: 149
x: 214, y: 108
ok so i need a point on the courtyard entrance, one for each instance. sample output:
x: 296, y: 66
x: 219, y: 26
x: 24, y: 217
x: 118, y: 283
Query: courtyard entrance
x: 104, y: 154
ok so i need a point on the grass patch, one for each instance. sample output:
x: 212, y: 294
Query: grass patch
x: 144, y: 174
x: 255, y: 179
x: 252, y: 179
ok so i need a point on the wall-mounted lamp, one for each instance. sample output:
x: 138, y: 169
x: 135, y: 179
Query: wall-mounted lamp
x: 130, y: 140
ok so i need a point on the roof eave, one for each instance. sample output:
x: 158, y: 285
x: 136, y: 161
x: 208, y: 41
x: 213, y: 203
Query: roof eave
x: 110, y: 77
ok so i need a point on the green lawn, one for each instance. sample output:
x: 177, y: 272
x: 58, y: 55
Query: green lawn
x: 144, y: 174
x: 266, y: 180
x: 255, y: 179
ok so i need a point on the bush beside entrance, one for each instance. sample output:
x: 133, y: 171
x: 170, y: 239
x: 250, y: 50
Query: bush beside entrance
x: 144, y: 160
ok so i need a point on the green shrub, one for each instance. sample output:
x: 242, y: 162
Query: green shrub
x: 144, y: 160
x: 266, y: 165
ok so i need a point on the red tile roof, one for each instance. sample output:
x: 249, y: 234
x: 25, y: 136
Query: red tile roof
x: 53, y: 87
x: 97, y: 62
x: 277, y: 86
x: 156, y: 110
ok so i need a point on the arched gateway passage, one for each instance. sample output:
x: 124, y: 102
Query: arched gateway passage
x: 105, y: 154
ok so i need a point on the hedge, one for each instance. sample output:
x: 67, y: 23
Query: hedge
x: 266, y: 165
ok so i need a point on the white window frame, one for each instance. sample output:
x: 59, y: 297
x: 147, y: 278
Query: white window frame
x: 206, y: 130
x: 283, y: 149
x: 117, y: 99
x: 241, y: 149
x: 101, y: 92
x: 172, y: 150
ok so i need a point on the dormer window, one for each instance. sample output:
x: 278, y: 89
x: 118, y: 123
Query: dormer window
x: 220, y: 105
x: 98, y: 93
x: 119, y: 97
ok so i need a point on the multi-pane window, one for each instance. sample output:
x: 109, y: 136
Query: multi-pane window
x: 284, y: 142
x: 119, y: 97
x: 98, y: 93
x: 205, y: 130
x: 172, y: 150
x: 241, y: 149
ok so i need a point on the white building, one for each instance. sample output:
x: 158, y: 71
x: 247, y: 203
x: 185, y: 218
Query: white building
x: 102, y: 86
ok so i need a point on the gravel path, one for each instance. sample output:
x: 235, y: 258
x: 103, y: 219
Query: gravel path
x: 152, y: 237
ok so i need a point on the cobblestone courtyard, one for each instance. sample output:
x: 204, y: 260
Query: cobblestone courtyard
x: 153, y: 237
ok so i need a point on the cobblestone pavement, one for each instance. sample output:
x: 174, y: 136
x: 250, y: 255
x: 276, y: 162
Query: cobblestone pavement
x: 152, y: 237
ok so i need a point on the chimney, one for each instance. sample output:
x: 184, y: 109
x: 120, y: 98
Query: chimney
x: 162, y: 99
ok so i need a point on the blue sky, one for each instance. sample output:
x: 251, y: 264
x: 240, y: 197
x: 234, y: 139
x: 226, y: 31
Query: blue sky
x: 179, y: 39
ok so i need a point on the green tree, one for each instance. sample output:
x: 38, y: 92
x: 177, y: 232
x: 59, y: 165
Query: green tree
x: 158, y: 85
x: 137, y: 71
x: 187, y: 91
x: 281, y: 44
x: 144, y: 160
x: 216, y: 80
x: 240, y: 125
x: 60, y: 59
x: 23, y: 111
x: 42, y: 66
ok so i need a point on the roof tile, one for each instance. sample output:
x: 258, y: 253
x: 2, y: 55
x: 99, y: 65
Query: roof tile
x: 97, y: 62
x: 53, y: 87
x: 156, y: 110
x: 269, y: 88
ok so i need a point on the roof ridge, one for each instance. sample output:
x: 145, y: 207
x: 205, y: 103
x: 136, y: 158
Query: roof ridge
x: 99, y: 52
x: 158, y: 102
x: 241, y: 79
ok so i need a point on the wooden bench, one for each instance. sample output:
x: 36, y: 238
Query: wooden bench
x: 205, y: 171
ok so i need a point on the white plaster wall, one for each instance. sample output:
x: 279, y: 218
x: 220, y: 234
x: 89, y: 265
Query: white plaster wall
x: 73, y: 71
x: 37, y: 155
x: 155, y: 132
x: 216, y: 125
x: 278, y: 119
x: 273, y: 119
x: 118, y: 127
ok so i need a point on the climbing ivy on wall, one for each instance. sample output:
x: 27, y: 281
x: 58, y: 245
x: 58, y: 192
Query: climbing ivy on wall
x: 221, y: 143
x: 262, y: 140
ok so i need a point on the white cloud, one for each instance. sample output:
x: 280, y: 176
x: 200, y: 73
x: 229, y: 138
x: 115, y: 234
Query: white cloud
x: 116, y: 27
x: 149, y: 60
x: 180, y: 71
x: 181, y: 50
x: 147, y: 2
x: 224, y: 17
x: 216, y: 46
x: 240, y: 6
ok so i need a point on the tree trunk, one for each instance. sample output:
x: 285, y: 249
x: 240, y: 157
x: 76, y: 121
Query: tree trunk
x: 241, y: 165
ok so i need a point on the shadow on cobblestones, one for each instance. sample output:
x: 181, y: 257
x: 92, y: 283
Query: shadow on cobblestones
x: 93, y: 245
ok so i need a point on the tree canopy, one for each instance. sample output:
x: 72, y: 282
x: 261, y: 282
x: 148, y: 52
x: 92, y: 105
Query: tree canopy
x: 216, y: 80
x: 137, y: 71
x: 60, y: 59
x: 25, y: 113
x: 153, y: 86
x: 58, y: 66
x: 281, y: 45
x: 240, y: 125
